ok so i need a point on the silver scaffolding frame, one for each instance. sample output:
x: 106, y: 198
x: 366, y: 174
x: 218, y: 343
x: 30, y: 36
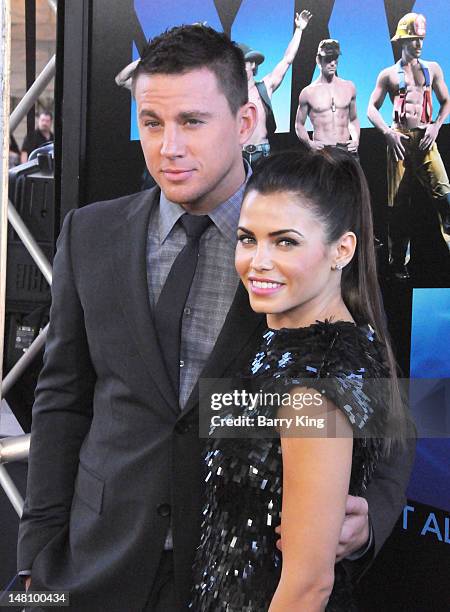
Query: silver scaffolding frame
x: 16, y: 448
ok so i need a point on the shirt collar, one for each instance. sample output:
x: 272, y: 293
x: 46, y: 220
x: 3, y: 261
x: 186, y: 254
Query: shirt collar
x: 225, y: 216
x: 169, y: 213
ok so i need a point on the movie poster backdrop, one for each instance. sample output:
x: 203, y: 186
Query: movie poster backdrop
x: 418, y: 309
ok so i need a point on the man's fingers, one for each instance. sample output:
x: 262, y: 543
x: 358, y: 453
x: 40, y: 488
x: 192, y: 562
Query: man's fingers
x: 346, y: 535
x: 400, y: 147
x: 399, y: 153
x: 356, y: 505
x: 340, y: 551
x: 355, y: 528
x: 425, y: 143
x: 278, y: 543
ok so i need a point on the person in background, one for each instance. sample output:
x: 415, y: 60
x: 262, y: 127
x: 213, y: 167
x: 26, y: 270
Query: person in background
x: 260, y: 91
x: 41, y: 135
x: 14, y: 152
x: 412, y: 152
x: 330, y: 103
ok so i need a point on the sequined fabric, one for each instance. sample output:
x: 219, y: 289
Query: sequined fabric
x: 237, y: 565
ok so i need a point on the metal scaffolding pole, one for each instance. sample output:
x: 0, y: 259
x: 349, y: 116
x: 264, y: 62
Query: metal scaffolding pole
x: 53, y: 5
x: 32, y: 94
x: 14, y: 448
x: 11, y: 490
x: 19, y: 368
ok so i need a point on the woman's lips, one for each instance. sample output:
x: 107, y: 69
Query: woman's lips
x: 262, y: 287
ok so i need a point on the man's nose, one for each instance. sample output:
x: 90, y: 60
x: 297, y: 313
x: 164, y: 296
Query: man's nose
x: 172, y: 142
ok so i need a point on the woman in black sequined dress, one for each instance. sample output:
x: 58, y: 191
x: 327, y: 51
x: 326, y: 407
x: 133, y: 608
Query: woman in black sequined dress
x: 305, y: 254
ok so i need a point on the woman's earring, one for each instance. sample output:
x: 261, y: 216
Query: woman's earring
x: 338, y: 266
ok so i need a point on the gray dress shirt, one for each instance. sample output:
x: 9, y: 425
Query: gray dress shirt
x: 214, y: 285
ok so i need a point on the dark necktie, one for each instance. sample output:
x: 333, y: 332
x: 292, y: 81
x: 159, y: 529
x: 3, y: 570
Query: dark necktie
x: 171, y: 302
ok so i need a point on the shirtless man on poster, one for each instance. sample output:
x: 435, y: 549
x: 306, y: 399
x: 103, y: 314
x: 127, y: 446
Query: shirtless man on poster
x: 411, y: 148
x: 260, y: 92
x: 330, y: 103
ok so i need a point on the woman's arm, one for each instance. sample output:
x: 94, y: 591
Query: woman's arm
x: 316, y: 475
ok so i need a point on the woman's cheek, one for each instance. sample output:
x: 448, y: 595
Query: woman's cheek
x: 241, y: 261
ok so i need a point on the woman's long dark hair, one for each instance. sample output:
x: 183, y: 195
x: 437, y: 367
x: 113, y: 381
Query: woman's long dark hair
x: 335, y: 189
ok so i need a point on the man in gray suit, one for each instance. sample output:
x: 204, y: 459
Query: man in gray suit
x: 113, y: 505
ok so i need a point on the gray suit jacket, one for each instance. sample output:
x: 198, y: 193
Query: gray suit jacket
x: 112, y: 460
x: 113, y: 463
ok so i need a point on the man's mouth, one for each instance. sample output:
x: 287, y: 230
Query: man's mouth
x: 177, y: 174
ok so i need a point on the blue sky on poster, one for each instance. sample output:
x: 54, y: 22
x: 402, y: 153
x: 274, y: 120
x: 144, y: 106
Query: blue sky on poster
x: 430, y: 359
x: 361, y: 28
x: 430, y: 352
x: 251, y: 27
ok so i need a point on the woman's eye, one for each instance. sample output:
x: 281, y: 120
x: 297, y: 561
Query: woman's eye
x: 287, y: 242
x: 244, y: 239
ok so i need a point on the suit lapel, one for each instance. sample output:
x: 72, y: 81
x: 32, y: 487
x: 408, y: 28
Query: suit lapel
x: 130, y: 275
x: 240, y: 325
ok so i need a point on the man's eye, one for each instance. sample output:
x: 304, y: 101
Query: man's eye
x: 193, y: 121
x: 152, y: 124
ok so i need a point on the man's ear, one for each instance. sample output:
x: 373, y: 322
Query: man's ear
x: 248, y: 116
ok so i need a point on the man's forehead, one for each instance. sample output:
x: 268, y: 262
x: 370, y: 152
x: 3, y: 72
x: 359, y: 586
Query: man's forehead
x: 202, y: 73
x: 196, y: 83
x: 176, y: 95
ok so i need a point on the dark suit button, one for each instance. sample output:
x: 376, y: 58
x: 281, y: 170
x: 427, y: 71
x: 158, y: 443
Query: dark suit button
x: 163, y: 509
x: 182, y: 427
